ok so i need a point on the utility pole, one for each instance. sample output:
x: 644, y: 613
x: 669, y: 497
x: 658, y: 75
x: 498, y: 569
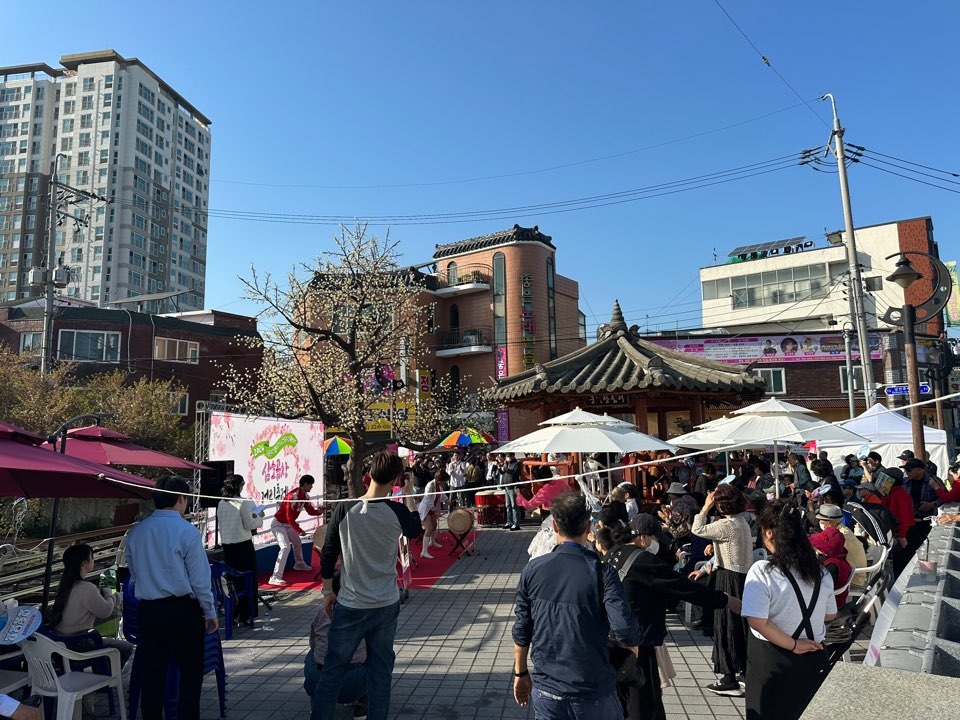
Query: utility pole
x: 855, y: 281
x: 849, y: 357
x: 54, y: 275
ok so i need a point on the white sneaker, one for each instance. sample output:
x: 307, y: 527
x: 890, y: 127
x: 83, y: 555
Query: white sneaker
x: 302, y: 567
x: 425, y: 554
x: 276, y: 581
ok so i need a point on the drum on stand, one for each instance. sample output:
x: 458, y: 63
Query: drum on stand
x: 491, y: 508
x: 460, y: 521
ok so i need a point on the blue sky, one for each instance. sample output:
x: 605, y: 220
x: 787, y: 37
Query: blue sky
x: 432, y: 108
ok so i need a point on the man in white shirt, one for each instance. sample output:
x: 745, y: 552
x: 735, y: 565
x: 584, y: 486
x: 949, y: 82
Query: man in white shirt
x: 456, y: 469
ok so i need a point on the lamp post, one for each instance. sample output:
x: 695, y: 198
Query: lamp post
x: 905, y: 275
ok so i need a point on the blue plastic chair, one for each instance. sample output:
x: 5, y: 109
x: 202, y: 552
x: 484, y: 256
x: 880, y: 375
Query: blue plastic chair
x: 228, y: 590
x: 212, y: 662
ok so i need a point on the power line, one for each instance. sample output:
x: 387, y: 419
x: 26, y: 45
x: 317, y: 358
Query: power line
x: 906, y: 177
x: 519, y: 173
x: 860, y: 148
x: 767, y: 62
x: 858, y: 153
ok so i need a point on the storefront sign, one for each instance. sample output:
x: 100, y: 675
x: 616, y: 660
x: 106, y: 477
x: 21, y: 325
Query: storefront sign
x: 527, y: 322
x: 501, y: 416
x: 776, y: 349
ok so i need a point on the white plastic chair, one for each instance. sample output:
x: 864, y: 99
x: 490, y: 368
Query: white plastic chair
x: 11, y: 680
x: 72, y: 685
x: 877, y: 557
x: 845, y: 588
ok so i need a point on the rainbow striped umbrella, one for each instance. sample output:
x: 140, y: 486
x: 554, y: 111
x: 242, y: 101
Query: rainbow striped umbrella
x: 336, y: 445
x: 467, y: 436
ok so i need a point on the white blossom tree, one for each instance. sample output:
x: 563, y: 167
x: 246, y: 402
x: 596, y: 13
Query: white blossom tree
x: 343, y: 330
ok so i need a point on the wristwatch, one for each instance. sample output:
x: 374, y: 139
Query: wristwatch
x: 521, y: 674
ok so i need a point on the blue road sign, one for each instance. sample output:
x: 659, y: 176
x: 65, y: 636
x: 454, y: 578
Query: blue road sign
x: 904, y: 389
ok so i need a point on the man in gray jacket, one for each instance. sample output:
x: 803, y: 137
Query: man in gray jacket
x: 364, y: 533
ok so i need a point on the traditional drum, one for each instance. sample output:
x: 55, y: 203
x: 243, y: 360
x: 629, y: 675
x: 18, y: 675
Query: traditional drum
x: 460, y: 521
x: 491, y: 508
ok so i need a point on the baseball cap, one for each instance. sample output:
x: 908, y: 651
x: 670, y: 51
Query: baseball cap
x: 645, y: 524
x: 906, y: 455
x: 849, y: 484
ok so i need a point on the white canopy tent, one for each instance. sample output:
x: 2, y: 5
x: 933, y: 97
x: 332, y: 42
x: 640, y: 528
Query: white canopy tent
x: 889, y: 434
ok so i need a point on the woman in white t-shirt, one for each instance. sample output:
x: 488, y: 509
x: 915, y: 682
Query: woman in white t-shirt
x: 787, y: 601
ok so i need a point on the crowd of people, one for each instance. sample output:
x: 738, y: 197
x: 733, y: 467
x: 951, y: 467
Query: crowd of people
x: 769, y: 554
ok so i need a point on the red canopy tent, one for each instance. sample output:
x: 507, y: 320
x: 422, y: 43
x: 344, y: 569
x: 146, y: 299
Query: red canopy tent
x: 104, y: 446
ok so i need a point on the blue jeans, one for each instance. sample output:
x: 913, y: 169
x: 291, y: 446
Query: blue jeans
x: 353, y: 688
x: 550, y: 707
x: 510, y: 499
x: 378, y: 626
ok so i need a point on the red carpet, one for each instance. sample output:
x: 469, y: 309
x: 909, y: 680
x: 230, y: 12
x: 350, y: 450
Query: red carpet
x: 424, y: 573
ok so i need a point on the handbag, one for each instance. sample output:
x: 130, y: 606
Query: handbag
x: 622, y: 659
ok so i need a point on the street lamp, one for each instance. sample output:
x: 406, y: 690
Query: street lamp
x: 905, y: 275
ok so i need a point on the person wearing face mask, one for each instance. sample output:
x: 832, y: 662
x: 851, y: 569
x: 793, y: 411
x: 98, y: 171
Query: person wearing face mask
x: 831, y: 516
x: 650, y: 584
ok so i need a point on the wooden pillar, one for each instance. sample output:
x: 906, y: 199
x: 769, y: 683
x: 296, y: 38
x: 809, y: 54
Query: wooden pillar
x: 696, y: 412
x: 662, y: 424
x: 640, y: 413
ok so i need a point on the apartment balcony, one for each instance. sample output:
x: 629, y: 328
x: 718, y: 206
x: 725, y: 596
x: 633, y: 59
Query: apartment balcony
x: 464, y: 341
x: 461, y: 280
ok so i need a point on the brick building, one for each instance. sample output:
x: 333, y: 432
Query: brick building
x: 500, y: 307
x: 192, y: 348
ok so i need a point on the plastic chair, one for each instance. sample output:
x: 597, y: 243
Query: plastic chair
x: 877, y: 557
x: 11, y: 679
x: 99, y: 665
x: 212, y: 662
x: 72, y: 685
x: 226, y: 594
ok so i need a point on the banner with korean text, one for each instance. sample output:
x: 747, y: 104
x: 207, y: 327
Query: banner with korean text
x: 271, y: 454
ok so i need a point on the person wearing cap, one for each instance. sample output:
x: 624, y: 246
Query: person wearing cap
x: 565, y: 625
x: 898, y: 502
x: 851, y: 469
x: 831, y: 516
x: 833, y: 556
x: 872, y: 464
x: 733, y: 548
x: 651, y: 585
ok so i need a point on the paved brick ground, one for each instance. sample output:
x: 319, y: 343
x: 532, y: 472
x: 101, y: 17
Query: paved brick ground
x: 454, y: 651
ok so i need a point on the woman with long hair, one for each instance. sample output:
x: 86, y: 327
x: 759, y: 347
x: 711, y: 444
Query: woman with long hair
x: 733, y: 550
x: 80, y: 605
x: 430, y: 509
x: 237, y: 522
x: 787, y: 601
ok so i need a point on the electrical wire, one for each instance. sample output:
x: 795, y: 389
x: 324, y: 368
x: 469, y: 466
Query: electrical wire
x: 860, y: 148
x: 857, y: 155
x: 906, y: 177
x: 519, y: 173
x: 767, y: 62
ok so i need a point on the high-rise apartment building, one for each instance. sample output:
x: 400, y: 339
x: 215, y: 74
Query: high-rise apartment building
x: 114, y: 129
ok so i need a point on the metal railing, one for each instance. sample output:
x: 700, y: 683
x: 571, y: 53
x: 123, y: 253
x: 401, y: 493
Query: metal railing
x: 464, y: 275
x: 464, y: 337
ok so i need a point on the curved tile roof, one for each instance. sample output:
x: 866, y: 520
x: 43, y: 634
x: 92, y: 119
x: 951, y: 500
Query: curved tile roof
x: 622, y: 361
x: 514, y: 234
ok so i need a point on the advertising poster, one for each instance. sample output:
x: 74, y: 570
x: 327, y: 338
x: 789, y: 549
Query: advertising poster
x: 271, y: 454
x: 777, y: 349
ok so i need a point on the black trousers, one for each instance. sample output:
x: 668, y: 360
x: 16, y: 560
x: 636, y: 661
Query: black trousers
x: 171, y: 629
x: 243, y: 557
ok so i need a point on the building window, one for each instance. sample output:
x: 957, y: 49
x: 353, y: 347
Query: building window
x: 775, y: 380
x: 185, y: 351
x: 451, y: 274
x: 89, y: 346
x: 181, y: 403
x: 31, y: 343
x: 551, y: 309
x: 582, y: 327
x: 499, y: 300
x: 857, y: 379
x: 454, y: 317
